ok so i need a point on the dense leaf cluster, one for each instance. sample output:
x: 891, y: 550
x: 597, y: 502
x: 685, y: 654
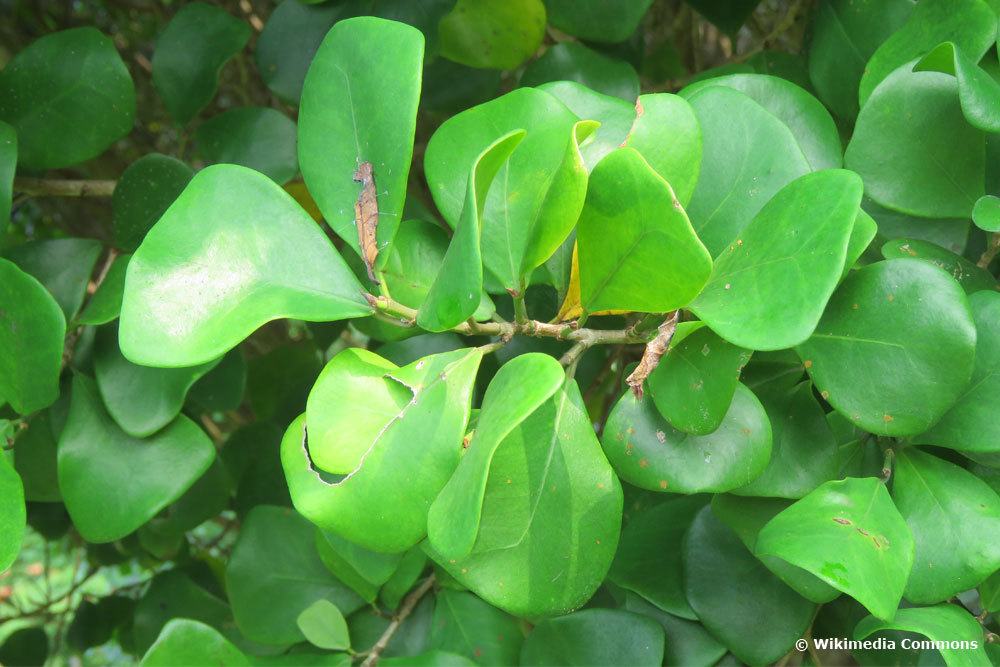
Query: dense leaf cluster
x: 381, y: 413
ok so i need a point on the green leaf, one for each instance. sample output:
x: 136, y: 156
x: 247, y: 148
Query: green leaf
x: 746, y: 516
x: 648, y: 452
x: 187, y: 642
x: 637, y: 249
x: 986, y: 213
x: 140, y: 399
x: 379, y: 504
x: 174, y: 594
x: 849, y: 534
x: 231, y: 234
x: 548, y: 490
x: 275, y: 573
x: 954, y: 517
x: 105, y: 304
x: 694, y: 384
x: 69, y: 97
x: 804, y: 115
x: 411, y: 566
x: 362, y: 569
x: 289, y: 41
x: 943, y: 623
x: 989, y: 592
x: 63, y: 266
x: 688, y: 642
x: 142, y: 195
x: 538, y: 193
x: 465, y: 625
x: 495, y: 35
x: 914, y: 149
x: 971, y: 277
x: 35, y: 458
x: 731, y: 591
x: 189, y: 56
x: 845, y: 34
x: 978, y: 92
x: 8, y: 164
x: 970, y: 24
x: 748, y: 155
x: 906, y: 323
x: 111, y: 482
x: 12, y: 514
x: 324, y: 626
x: 728, y: 16
x: 457, y: 290
x: 595, y: 637
x: 772, y: 256
x: 256, y: 137
x: 804, y: 452
x: 222, y: 388
x: 428, y: 659
x: 31, y: 341
x: 970, y: 423
x: 864, y: 232
x: 346, y: 119
x: 648, y: 560
x: 572, y: 61
x: 597, y: 21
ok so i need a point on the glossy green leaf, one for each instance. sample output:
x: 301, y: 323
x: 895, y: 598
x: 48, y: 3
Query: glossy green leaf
x: 140, y: 399
x: 256, y: 137
x: 774, y: 256
x: 595, y: 20
x: 63, y: 266
x: 143, y: 193
x: 289, y: 41
x: 989, y: 592
x: 637, y: 249
x: 362, y: 569
x: 978, y: 92
x: 324, y: 626
x: 32, y: 327
x: 379, y: 504
x: 944, y: 623
x: 804, y: 115
x: 595, y: 637
x: 465, y: 625
x: 549, y: 490
x: 845, y: 34
x: 111, y: 482
x: 456, y: 292
x: 275, y: 573
x: 537, y: 194
x: 909, y: 325
x: 804, y: 452
x: 971, y: 277
x: 187, y: 642
x: 648, y: 560
x: 970, y: 423
x: 746, y: 516
x: 986, y: 213
x: 35, y: 458
x: 572, y: 61
x: 864, y: 232
x: 955, y: 520
x: 12, y: 513
x: 174, y: 594
x: 66, y: 115
x: 949, y: 233
x: 748, y: 155
x: 648, y: 452
x: 694, y: 384
x: 105, y: 304
x: 189, y: 56
x: 731, y: 591
x: 914, y: 149
x: 496, y: 35
x: 186, y: 292
x: 8, y: 164
x: 849, y: 534
x: 346, y: 118
x: 970, y: 24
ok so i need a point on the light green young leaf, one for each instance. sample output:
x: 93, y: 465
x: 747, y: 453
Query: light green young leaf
x: 849, y: 534
x: 232, y: 234
x: 986, y: 213
x: 864, y: 232
x: 943, y: 623
x: 496, y: 35
x: 187, y: 642
x: 324, y: 626
x: 978, y: 92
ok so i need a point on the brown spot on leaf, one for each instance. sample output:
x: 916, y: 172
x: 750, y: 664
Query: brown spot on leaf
x: 887, y: 418
x: 842, y: 521
x: 663, y: 484
x: 807, y: 363
x: 643, y: 463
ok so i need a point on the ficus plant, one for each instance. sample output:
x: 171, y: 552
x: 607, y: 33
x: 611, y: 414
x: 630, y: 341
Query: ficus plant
x: 446, y: 335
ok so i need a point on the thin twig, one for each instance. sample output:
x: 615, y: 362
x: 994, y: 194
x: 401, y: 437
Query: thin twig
x: 991, y: 251
x: 409, y: 604
x: 887, y: 465
x: 46, y: 187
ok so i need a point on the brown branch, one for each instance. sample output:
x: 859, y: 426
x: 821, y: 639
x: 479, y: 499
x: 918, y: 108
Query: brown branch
x: 44, y: 187
x: 655, y: 349
x: 991, y: 251
x: 409, y: 604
